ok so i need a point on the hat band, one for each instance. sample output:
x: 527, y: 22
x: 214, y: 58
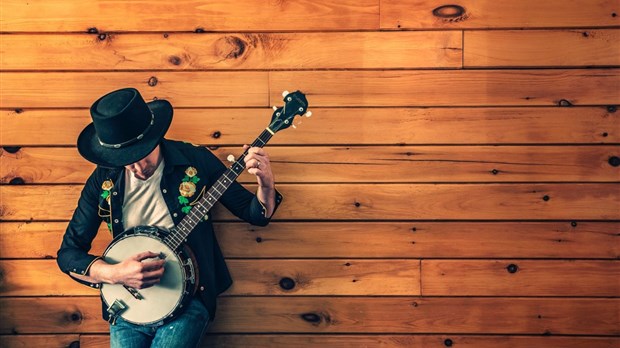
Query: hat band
x: 130, y: 141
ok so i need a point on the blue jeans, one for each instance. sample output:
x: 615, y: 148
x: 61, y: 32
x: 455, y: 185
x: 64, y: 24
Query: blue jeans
x: 185, y: 331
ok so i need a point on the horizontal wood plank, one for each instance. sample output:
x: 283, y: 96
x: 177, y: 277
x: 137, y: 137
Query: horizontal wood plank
x: 395, y: 341
x: 373, y: 202
x: 48, y: 341
x: 574, y: 239
x: 364, y: 164
x: 520, y: 278
x: 542, y: 48
x: 552, y: 316
x: 183, y: 51
x: 415, y: 14
x: 182, y: 88
x: 353, y: 277
x: 520, y: 125
x: 451, y: 88
x: 540, y: 87
x: 162, y: 15
x: 41, y: 240
x: 251, y: 277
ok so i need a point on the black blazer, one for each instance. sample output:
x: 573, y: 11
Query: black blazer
x: 102, y: 200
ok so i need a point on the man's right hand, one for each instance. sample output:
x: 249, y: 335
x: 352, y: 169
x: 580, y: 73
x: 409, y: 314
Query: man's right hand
x: 133, y: 271
x: 137, y: 273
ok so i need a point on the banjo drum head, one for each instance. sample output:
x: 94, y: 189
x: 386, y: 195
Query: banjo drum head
x: 158, y: 301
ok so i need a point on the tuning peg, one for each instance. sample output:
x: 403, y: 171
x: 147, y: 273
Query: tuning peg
x: 308, y: 114
x: 274, y: 108
x: 285, y: 93
x: 230, y: 158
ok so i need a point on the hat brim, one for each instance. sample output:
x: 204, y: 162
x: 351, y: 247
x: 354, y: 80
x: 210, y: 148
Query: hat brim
x: 90, y: 148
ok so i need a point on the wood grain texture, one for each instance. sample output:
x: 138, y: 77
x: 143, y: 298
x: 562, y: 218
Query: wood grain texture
x: 489, y: 14
x: 459, y: 240
x: 405, y: 341
x: 555, y: 316
x: 41, y: 240
x: 374, y: 202
x: 68, y: 89
x: 162, y: 15
x: 239, y: 51
x: 520, y: 278
x: 363, y: 277
x: 364, y: 164
x: 541, y: 87
x: 542, y: 48
x: 49, y: 341
x: 385, y: 341
x: 494, y: 125
x: 252, y: 278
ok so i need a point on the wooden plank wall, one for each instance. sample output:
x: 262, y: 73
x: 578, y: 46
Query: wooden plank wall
x: 457, y: 184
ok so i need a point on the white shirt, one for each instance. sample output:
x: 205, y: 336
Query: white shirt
x: 144, y: 203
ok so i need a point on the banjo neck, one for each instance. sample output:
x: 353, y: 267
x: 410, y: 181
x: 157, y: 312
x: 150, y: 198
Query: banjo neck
x: 179, y: 233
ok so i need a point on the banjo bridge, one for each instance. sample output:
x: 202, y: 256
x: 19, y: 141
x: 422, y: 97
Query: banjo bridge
x: 135, y: 293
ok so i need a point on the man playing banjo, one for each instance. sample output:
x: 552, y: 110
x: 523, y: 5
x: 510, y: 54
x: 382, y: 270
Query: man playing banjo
x: 144, y: 184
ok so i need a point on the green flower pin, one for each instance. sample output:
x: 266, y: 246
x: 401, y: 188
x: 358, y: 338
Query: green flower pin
x: 105, y: 194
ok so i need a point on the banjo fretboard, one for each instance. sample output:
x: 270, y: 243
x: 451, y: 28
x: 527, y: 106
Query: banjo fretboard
x: 179, y: 233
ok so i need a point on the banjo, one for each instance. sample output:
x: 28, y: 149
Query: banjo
x: 164, y: 301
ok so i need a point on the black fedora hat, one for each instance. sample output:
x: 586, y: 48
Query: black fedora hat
x: 125, y: 129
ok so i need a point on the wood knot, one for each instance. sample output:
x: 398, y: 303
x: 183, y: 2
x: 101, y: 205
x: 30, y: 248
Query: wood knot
x: 230, y: 47
x: 316, y: 319
x: 495, y: 171
x: 358, y: 204
x: 564, y: 103
x: 19, y: 110
x: 574, y: 223
x: 216, y: 134
x: 11, y: 149
x: 512, y: 268
x: 102, y: 36
x: 199, y: 30
x: 17, y: 181
x: 614, y: 161
x: 448, y: 342
x: 74, y: 344
x: 259, y: 239
x: 153, y: 81
x: 546, y: 198
x: 75, y: 317
x: 174, y: 60
x: 287, y: 283
x: 92, y: 30
x: 451, y: 13
x: 610, y: 109
x: 166, y: 35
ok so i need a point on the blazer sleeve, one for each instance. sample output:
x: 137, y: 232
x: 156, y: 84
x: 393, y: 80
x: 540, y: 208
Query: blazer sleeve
x: 239, y: 200
x: 73, y: 254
